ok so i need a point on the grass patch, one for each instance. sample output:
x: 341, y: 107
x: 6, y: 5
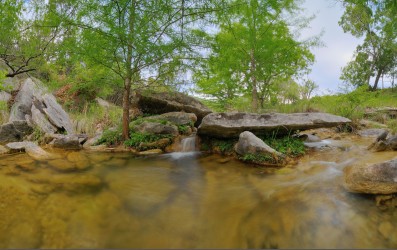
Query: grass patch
x: 289, y: 146
x: 138, y: 138
x: 93, y: 115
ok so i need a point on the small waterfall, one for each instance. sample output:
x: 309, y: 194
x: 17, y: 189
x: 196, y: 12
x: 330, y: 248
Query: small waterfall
x: 189, y: 144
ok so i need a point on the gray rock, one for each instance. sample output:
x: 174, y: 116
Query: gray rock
x: 14, y: 131
x: 227, y: 125
x: 32, y: 149
x: 92, y: 141
x: 40, y: 120
x: 383, y: 144
x: 4, y: 96
x: 66, y: 142
x: 177, y: 118
x: 378, y: 178
x: 23, y: 100
x: 56, y: 115
x: 372, y: 132
x: 155, y: 128
x: 160, y: 103
x: 312, y: 138
x: 392, y: 142
x: 248, y: 143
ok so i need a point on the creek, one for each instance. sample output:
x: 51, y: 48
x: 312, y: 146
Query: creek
x: 191, y: 200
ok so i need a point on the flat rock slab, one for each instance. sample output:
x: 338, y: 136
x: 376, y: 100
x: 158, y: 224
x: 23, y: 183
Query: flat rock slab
x: 31, y: 149
x: 229, y: 125
x: 160, y: 103
x: 380, y: 178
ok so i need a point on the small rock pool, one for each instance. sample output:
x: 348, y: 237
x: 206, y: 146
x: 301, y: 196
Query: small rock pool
x: 187, y: 200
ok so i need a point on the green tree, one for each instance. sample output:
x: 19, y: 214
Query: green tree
x: 137, y: 40
x: 25, y: 35
x: 375, y: 21
x: 307, y: 88
x: 253, y: 48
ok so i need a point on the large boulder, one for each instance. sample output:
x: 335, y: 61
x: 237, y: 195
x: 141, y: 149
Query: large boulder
x: 14, y: 131
x: 155, y: 128
x: 159, y: 103
x: 248, y: 143
x: 177, y: 118
x: 23, y: 100
x: 56, y: 115
x: 227, y: 125
x: 36, y: 105
x: 380, y: 178
x: 66, y: 142
x: 4, y: 96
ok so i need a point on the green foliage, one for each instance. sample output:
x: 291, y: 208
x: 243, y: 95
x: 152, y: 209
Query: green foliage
x: 38, y: 135
x: 139, y: 120
x: 374, y: 20
x: 137, y: 138
x: 289, y: 146
x: 225, y: 146
x: 183, y: 128
x: 392, y: 125
x: 93, y: 115
x: 254, y: 49
x: 259, y: 158
x: 110, y: 137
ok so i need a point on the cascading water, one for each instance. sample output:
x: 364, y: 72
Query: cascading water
x: 188, y: 144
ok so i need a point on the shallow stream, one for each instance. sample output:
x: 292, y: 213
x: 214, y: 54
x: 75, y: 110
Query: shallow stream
x: 188, y: 200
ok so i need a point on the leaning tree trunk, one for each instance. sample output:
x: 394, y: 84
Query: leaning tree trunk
x: 375, y: 87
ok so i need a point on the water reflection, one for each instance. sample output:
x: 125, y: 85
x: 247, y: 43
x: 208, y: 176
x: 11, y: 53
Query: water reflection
x: 189, y: 200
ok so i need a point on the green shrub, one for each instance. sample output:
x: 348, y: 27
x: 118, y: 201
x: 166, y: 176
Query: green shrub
x: 287, y: 145
x: 136, y: 139
x: 183, y: 128
x: 225, y: 146
x: 111, y: 137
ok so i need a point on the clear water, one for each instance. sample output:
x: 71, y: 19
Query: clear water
x: 189, y: 200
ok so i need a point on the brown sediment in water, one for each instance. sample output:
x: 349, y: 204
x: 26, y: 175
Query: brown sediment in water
x: 121, y: 201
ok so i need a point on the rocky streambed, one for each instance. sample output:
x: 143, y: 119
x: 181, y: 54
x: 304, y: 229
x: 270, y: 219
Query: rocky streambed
x: 184, y: 200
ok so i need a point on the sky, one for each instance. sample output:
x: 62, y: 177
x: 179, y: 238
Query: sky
x: 339, y: 46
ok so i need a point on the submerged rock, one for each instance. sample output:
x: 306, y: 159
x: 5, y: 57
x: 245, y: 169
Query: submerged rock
x: 227, y: 125
x: 380, y: 178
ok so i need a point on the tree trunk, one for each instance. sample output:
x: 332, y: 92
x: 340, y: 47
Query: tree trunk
x: 129, y: 74
x: 254, y: 82
x: 375, y: 87
x: 126, y: 108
